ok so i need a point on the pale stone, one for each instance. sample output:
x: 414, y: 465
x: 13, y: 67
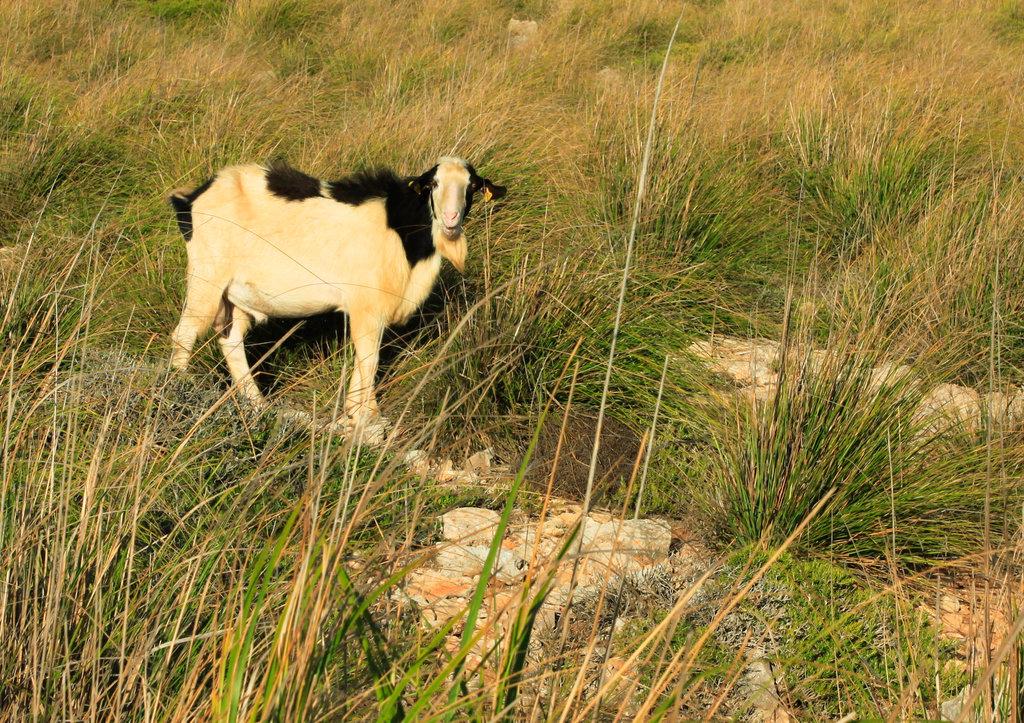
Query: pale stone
x: 418, y: 461
x: 425, y: 586
x: 521, y: 33
x: 748, y: 363
x: 445, y: 472
x: 509, y: 568
x: 747, y: 372
x: 465, y: 476
x: 727, y: 346
x: 950, y: 404
x: 540, y: 549
x: 886, y: 373
x: 546, y: 618
x: 441, y: 611
x: 765, y: 392
x: 370, y: 432
x: 468, y: 525
x: 949, y: 603
x: 621, y: 547
x: 757, y: 686
x: 641, y: 538
x: 952, y: 709
x: 1004, y: 408
x: 555, y: 527
x: 481, y: 461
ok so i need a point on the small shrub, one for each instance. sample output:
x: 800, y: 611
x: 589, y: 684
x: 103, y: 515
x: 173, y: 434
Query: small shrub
x: 837, y: 429
x: 837, y: 643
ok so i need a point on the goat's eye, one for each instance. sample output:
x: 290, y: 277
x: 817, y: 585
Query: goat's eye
x: 433, y: 184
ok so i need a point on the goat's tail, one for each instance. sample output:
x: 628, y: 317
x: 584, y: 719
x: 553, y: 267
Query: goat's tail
x: 182, y: 205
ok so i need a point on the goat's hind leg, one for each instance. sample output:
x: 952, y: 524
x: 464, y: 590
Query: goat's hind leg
x: 232, y: 337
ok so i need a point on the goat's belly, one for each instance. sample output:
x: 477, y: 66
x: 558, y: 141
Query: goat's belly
x: 299, y: 301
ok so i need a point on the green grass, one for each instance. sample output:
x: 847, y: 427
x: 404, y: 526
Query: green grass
x: 843, y: 177
x: 840, y: 427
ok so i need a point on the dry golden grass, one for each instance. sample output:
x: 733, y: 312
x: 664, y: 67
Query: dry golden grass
x: 863, y: 155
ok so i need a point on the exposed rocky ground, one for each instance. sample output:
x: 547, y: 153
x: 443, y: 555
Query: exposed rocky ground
x: 622, y: 569
x: 616, y: 570
x: 752, y: 365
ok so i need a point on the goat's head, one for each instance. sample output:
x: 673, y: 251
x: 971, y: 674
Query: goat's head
x: 451, y: 186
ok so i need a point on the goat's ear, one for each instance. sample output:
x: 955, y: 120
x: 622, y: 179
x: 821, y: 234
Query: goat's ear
x: 492, y: 190
x: 422, y: 184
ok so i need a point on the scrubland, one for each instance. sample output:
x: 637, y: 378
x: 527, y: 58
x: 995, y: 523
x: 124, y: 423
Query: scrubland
x: 828, y: 175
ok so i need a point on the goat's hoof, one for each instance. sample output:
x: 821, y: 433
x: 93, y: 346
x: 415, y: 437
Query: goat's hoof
x: 368, y: 430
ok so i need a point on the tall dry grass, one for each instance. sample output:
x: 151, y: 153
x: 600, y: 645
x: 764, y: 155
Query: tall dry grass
x: 167, y: 556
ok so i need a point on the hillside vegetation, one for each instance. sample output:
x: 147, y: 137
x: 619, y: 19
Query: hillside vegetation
x: 828, y: 175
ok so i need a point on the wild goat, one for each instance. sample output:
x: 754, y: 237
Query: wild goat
x: 270, y: 240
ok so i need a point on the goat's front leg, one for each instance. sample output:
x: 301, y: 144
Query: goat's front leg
x: 366, y: 332
x: 203, y: 305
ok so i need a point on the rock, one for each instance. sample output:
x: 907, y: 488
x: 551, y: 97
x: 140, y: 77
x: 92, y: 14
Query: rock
x: 521, y: 33
x: 481, y: 461
x: 418, y: 461
x: 426, y: 586
x: 1004, y: 408
x: 757, y: 686
x: 468, y: 525
x: 752, y: 372
x: 622, y: 547
x: 531, y: 545
x: 445, y: 472
x: 649, y: 539
x: 949, y: 405
x: 952, y: 709
x: 886, y: 374
x: 440, y: 595
x: 509, y: 568
x: 748, y: 363
x: 465, y: 476
x: 441, y: 611
x: 949, y: 603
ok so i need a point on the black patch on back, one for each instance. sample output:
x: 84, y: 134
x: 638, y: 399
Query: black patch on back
x: 290, y: 184
x: 408, y: 212
x: 363, y: 186
x: 182, y: 205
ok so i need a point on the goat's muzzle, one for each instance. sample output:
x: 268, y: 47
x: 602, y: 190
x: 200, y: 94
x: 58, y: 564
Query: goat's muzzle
x: 451, y: 224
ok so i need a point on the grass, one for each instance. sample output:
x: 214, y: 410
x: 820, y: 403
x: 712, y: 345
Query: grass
x: 834, y: 177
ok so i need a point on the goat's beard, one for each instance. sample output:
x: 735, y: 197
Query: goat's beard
x: 454, y: 250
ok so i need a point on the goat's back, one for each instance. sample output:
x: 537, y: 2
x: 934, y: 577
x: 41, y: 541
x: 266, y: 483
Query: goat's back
x: 295, y: 251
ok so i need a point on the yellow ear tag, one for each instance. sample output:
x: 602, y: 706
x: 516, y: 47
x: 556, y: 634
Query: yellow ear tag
x: 487, y: 193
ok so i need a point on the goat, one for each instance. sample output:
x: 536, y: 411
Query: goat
x: 271, y: 241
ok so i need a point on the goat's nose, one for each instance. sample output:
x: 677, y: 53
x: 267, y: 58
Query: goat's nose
x: 450, y: 218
